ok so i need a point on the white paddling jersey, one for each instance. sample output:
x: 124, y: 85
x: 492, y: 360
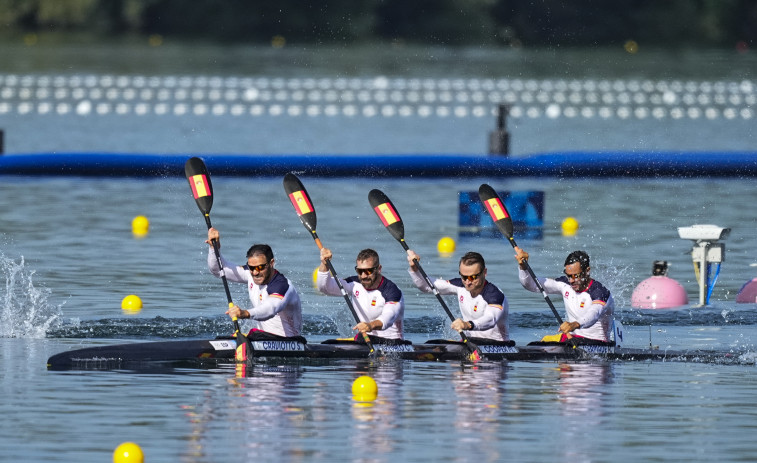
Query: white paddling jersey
x: 592, y: 309
x: 488, y: 311
x: 384, y: 303
x: 275, y: 306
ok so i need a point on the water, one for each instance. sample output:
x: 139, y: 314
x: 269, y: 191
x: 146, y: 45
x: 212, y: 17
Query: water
x: 68, y: 259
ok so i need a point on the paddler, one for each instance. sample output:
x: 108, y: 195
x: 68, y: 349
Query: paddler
x: 483, y: 305
x: 588, y: 304
x: 275, y: 302
x: 378, y: 302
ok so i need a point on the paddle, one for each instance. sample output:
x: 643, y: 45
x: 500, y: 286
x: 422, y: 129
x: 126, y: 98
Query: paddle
x: 504, y: 222
x: 202, y: 190
x: 389, y: 216
x: 305, y: 210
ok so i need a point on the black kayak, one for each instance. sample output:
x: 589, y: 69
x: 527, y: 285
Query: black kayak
x: 220, y: 351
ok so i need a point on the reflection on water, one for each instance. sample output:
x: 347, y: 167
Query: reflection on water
x: 374, y: 422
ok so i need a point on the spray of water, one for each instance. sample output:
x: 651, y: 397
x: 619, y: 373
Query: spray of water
x: 24, y: 309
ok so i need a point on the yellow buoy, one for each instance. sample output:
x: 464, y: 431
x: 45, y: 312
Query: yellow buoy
x: 128, y: 452
x: 140, y: 226
x: 569, y: 226
x: 364, y: 389
x: 446, y: 245
x: 131, y: 303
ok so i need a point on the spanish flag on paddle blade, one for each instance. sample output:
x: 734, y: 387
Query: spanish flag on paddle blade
x: 496, y: 209
x: 199, y: 184
x: 300, y: 202
x: 387, y: 214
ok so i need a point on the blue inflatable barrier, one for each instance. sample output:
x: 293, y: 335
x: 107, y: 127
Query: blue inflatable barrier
x: 567, y: 164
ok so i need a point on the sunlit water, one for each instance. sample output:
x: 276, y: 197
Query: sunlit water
x: 68, y: 258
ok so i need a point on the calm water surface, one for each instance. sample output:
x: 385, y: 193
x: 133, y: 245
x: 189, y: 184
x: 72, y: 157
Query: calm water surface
x: 68, y: 259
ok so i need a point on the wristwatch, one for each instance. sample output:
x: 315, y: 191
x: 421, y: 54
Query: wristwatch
x: 472, y: 326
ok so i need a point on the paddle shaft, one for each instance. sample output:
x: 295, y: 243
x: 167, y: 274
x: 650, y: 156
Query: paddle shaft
x: 436, y: 293
x: 223, y: 275
x: 538, y: 284
x: 346, y: 296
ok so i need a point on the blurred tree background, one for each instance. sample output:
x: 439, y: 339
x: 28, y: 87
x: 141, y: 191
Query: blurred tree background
x: 507, y: 23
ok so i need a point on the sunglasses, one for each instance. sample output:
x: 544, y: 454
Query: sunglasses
x: 258, y: 268
x: 473, y: 277
x: 368, y: 271
x: 575, y: 276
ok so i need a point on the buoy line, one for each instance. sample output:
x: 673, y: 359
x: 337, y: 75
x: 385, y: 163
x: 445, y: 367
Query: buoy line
x: 93, y: 95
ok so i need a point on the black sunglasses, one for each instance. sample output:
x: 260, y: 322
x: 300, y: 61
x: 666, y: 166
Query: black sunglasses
x: 368, y: 271
x: 259, y: 268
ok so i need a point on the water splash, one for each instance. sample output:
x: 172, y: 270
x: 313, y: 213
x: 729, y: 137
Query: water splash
x: 24, y: 309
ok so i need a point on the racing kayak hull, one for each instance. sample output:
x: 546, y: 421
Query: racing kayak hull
x: 218, y: 352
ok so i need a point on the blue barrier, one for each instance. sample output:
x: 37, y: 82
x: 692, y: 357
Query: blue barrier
x: 566, y: 164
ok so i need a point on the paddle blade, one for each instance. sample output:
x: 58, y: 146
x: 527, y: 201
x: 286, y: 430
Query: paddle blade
x: 199, y: 181
x: 497, y: 209
x: 300, y: 200
x: 388, y: 215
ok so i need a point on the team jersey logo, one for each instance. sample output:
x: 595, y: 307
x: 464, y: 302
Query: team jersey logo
x: 373, y: 303
x: 462, y: 298
x: 199, y: 184
x: 582, y: 304
x: 357, y: 293
x: 475, y: 308
x: 567, y: 294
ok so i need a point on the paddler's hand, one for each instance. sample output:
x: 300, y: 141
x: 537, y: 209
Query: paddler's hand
x: 235, y: 312
x: 568, y: 327
x: 460, y: 325
x: 411, y: 257
x: 213, y: 234
x: 521, y: 256
x: 325, y: 255
x: 364, y: 327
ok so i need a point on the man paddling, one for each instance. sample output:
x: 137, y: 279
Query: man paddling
x: 483, y: 306
x: 275, y: 302
x: 378, y: 302
x: 588, y: 304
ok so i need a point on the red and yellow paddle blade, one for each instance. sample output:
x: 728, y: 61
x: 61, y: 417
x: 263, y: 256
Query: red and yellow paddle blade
x: 300, y: 200
x: 496, y: 209
x: 199, y: 182
x: 388, y: 215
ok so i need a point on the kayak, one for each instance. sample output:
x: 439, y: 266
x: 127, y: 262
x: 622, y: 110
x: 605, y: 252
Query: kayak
x: 220, y: 351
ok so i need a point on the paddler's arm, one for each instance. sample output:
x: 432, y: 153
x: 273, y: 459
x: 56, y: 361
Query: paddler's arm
x: 235, y: 311
x: 233, y: 272
x: 568, y: 327
x: 460, y: 325
x: 367, y: 327
x: 324, y: 281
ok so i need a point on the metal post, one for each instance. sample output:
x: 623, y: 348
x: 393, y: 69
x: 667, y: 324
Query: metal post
x: 499, y: 139
x: 703, y: 277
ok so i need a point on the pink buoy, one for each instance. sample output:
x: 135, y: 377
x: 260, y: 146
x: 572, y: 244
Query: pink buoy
x: 748, y: 293
x: 658, y: 292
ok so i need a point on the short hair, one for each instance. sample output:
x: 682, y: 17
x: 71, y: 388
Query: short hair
x: 471, y: 258
x: 260, y: 250
x: 368, y: 253
x: 578, y: 256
